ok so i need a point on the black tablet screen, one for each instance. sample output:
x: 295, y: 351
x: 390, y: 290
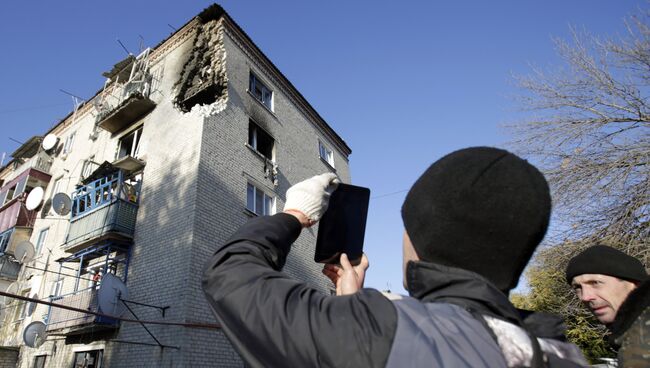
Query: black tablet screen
x: 343, y: 226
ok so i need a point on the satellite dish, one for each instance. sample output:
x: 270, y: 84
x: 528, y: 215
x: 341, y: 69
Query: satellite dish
x: 49, y: 142
x: 34, y: 334
x: 111, y: 290
x: 61, y: 204
x: 35, y: 198
x: 24, y: 252
x: 11, y: 289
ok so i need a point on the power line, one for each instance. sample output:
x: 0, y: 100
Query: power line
x: 210, y: 326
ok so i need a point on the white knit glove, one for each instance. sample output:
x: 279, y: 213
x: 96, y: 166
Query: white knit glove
x: 312, y: 196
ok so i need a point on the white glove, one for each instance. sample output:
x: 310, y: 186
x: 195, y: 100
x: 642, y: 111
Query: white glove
x: 312, y: 196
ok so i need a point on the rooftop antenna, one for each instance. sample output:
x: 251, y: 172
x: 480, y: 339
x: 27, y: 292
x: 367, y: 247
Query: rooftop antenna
x: 17, y: 141
x: 76, y: 100
x: 2, y: 161
x: 172, y: 27
x: 124, y: 47
x: 141, y: 43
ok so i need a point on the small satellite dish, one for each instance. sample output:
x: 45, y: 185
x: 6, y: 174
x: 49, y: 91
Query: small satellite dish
x: 35, y: 198
x: 24, y: 252
x: 11, y: 289
x: 34, y: 334
x: 49, y: 142
x: 111, y: 290
x: 61, y: 204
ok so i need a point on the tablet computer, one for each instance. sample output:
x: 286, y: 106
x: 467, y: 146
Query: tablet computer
x: 343, y: 226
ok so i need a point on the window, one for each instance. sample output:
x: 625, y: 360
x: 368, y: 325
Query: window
x: 326, y: 154
x: 56, y: 188
x: 10, y: 194
x: 39, y: 361
x: 88, y: 167
x: 261, y: 92
x: 130, y: 144
x: 260, y: 140
x: 24, y: 307
x: 69, y: 141
x: 88, y: 359
x: 42, y: 237
x: 4, y: 239
x: 259, y: 202
x: 57, y: 287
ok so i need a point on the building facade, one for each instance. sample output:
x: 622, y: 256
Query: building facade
x: 184, y: 143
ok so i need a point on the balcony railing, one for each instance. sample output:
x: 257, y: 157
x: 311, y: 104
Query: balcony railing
x: 9, y: 269
x: 123, y: 104
x: 85, y: 299
x: 15, y: 214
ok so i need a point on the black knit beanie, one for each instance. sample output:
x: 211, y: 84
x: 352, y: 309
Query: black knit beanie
x: 481, y: 209
x: 604, y: 260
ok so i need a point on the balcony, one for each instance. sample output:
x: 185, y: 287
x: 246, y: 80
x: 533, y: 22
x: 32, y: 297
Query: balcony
x: 115, y: 220
x: 122, y: 104
x: 91, y: 264
x: 104, y: 209
x: 9, y: 269
x: 70, y: 322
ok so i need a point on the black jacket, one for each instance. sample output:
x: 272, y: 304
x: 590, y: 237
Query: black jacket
x: 631, y: 328
x: 275, y: 321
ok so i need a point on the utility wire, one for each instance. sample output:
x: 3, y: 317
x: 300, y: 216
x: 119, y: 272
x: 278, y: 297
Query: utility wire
x: 212, y: 326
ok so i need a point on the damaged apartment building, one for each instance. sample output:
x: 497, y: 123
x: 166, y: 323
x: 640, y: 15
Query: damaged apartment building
x: 117, y: 208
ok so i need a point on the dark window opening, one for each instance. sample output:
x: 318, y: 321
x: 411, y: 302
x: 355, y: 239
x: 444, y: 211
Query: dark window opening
x: 260, y: 140
x: 88, y: 359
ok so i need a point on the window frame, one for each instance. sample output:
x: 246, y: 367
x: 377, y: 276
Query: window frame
x: 99, y: 357
x: 40, y: 240
x: 265, y: 196
x: 254, y: 133
x: 255, y: 82
x: 37, y: 357
x: 326, y: 154
x: 136, y: 144
x: 69, y: 142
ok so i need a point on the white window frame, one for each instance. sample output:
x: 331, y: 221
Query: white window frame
x: 42, y: 238
x: 135, y: 146
x: 57, y: 288
x: 56, y: 188
x: 325, y: 153
x: 69, y: 142
x: 252, y: 206
x: 254, y: 83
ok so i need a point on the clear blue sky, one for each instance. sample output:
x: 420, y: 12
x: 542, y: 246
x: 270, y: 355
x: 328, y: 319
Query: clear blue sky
x: 402, y: 82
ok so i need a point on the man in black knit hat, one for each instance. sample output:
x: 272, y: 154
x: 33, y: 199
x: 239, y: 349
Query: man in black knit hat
x: 472, y: 222
x: 616, y: 289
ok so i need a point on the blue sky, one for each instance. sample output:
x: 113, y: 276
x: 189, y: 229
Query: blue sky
x: 402, y: 82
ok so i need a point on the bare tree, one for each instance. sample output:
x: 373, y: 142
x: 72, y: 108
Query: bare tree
x: 591, y: 137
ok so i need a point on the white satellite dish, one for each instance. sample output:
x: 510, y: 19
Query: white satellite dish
x: 24, y: 252
x: 11, y: 289
x: 34, y: 334
x: 111, y: 290
x: 35, y: 198
x: 49, y: 142
x: 61, y: 204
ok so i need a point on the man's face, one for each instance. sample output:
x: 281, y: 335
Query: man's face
x: 602, y: 294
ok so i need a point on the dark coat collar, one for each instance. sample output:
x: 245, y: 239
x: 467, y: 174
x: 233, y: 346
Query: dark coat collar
x: 630, y: 310
x: 431, y: 282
